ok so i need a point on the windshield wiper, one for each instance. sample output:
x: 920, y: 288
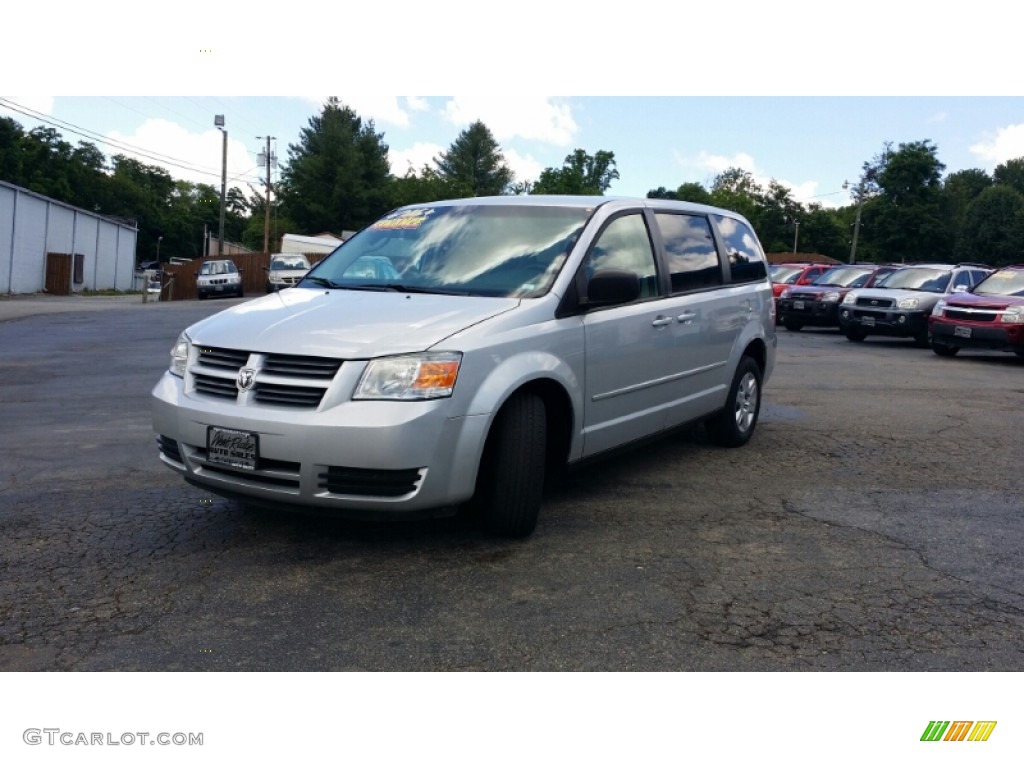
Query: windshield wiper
x: 399, y: 288
x: 321, y: 281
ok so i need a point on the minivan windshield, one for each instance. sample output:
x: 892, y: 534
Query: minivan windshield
x: 476, y: 250
x: 289, y: 262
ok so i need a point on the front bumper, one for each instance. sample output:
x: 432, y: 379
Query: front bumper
x: 808, y: 312
x: 889, y: 322
x: 972, y: 335
x: 376, y: 459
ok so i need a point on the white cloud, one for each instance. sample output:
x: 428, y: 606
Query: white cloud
x: 376, y: 107
x: 1007, y: 144
x: 416, y: 104
x: 419, y: 154
x: 171, y: 146
x: 938, y: 117
x: 512, y: 116
x: 523, y: 166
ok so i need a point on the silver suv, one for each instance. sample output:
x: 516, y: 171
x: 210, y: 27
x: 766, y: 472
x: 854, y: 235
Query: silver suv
x: 902, y: 302
x: 507, y: 337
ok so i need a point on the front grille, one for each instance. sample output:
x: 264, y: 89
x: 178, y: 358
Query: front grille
x: 169, y: 448
x: 294, y: 381
x: 216, y: 386
x: 864, y: 301
x: 269, y: 472
x: 222, y: 358
x: 297, y: 365
x: 352, y: 481
x: 962, y: 314
x: 277, y: 394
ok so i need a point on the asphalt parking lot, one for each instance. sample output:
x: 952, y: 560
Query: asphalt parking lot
x: 873, y: 523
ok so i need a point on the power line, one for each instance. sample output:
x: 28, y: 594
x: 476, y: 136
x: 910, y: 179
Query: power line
x: 94, y: 136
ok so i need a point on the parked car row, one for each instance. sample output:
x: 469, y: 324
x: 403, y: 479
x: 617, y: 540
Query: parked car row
x: 946, y: 307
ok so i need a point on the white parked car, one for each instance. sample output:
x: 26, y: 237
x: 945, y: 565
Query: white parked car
x: 285, y: 270
x: 462, y: 349
x: 218, y: 278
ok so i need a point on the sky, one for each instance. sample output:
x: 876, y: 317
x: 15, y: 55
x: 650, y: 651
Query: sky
x: 810, y: 144
x: 785, y: 92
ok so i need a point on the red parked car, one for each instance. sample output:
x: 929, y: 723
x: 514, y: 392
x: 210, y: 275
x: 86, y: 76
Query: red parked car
x: 797, y: 273
x: 818, y: 303
x: 989, y: 316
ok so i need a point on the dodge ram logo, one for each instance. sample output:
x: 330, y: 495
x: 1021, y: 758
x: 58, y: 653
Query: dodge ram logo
x: 246, y: 378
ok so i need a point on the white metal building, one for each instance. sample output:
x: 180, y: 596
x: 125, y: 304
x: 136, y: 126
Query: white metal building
x: 32, y: 225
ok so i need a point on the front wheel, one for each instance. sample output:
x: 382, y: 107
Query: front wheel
x: 792, y: 325
x: 856, y: 334
x: 734, y: 424
x: 511, y: 483
x: 944, y: 350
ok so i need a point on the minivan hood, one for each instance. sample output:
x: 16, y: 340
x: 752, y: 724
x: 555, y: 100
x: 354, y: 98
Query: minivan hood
x: 351, y: 325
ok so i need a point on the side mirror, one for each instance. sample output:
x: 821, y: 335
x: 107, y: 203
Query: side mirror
x: 266, y: 269
x: 608, y: 287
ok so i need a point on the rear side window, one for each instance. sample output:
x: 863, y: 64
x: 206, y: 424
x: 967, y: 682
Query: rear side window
x: 746, y: 260
x: 690, y: 251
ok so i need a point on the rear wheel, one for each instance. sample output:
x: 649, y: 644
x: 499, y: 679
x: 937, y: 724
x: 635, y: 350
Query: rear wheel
x: 856, y: 334
x: 511, y: 483
x: 734, y: 424
x: 792, y: 325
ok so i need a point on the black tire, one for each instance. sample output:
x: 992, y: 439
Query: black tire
x: 511, y: 483
x: 921, y: 340
x: 241, y: 293
x: 734, y: 424
x: 792, y: 325
x: 944, y: 350
x: 856, y: 334
x: 1019, y: 352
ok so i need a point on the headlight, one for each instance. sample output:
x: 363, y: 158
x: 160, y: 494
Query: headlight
x: 850, y: 298
x: 908, y: 303
x: 410, y: 377
x: 179, y: 355
x: 939, y: 306
x: 1013, y: 315
x: 830, y: 297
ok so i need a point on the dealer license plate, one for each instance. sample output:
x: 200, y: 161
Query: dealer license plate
x: 962, y: 331
x: 232, y: 448
x: 867, y: 320
x: 798, y: 305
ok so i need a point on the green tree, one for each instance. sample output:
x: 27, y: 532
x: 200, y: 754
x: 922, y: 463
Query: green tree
x: 993, y: 230
x: 693, y: 192
x: 904, y: 221
x: 959, y: 190
x: 1011, y: 173
x: 474, y: 166
x: 581, y: 174
x: 337, y: 175
x: 413, y: 188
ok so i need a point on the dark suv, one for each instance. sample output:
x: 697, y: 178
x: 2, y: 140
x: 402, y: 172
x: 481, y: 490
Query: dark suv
x: 989, y: 316
x: 901, y: 303
x: 818, y: 303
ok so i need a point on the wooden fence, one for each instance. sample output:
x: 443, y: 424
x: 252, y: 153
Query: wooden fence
x: 179, y: 280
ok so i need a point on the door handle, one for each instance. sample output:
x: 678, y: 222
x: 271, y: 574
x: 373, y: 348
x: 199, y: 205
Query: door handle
x: 686, y: 317
x: 661, y: 322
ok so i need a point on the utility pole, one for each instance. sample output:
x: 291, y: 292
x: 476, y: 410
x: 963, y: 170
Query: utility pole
x: 858, y: 193
x: 218, y: 120
x: 268, y: 158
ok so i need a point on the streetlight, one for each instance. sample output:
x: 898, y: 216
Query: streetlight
x: 158, y: 240
x: 858, y: 195
x: 218, y: 120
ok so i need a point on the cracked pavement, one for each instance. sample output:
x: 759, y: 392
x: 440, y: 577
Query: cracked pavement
x: 873, y: 523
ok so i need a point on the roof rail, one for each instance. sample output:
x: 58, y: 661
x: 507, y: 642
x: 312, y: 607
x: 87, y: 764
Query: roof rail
x: 974, y: 264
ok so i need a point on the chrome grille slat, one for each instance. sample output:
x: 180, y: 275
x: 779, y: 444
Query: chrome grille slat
x: 216, y: 386
x: 222, y: 358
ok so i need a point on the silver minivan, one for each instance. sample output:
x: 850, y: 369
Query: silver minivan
x: 506, y: 337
